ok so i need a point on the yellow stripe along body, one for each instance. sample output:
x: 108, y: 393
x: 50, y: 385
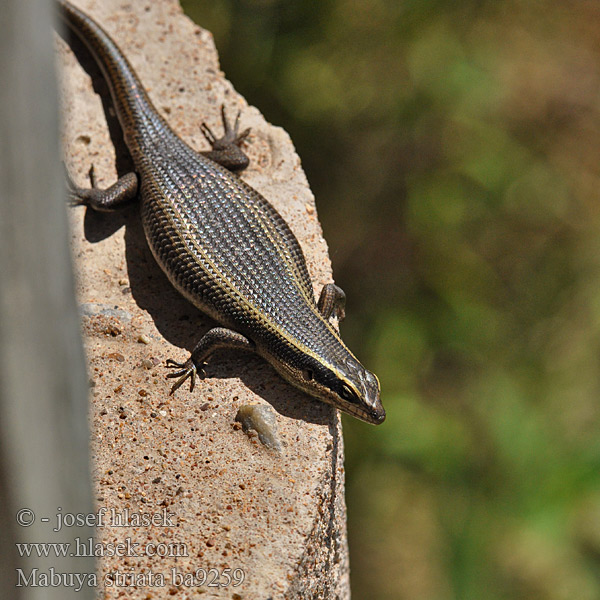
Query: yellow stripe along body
x: 223, y: 245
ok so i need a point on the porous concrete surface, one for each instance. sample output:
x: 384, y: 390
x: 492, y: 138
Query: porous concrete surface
x: 224, y: 500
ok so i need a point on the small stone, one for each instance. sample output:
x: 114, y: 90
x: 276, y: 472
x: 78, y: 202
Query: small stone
x: 143, y: 339
x: 92, y: 309
x: 258, y: 419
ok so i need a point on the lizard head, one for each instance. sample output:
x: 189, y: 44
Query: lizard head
x: 346, y: 385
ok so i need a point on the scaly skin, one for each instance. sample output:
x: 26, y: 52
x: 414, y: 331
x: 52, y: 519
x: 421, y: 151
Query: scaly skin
x: 224, y: 246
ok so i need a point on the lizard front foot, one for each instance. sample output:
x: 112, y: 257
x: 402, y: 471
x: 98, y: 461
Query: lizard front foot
x: 226, y: 150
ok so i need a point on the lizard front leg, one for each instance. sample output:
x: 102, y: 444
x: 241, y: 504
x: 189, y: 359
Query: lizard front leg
x: 226, y: 150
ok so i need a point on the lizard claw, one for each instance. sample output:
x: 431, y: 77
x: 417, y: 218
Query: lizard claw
x: 226, y: 150
x: 231, y: 133
x: 171, y: 364
x: 208, y: 134
x: 187, y: 370
x: 77, y: 196
x: 92, y: 176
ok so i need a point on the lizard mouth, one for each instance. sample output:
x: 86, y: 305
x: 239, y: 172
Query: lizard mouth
x: 374, y: 416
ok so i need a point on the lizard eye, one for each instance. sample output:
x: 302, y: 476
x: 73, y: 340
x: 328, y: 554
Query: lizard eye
x: 307, y: 374
x: 347, y: 393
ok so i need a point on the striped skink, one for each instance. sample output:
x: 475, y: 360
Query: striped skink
x: 223, y: 246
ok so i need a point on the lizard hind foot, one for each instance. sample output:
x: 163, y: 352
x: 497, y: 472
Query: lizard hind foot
x: 187, y: 370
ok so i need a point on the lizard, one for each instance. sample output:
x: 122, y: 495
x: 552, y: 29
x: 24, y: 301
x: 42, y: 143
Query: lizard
x: 222, y: 245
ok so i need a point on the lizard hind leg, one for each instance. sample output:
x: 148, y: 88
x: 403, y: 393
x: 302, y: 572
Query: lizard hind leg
x: 116, y: 196
x: 332, y: 301
x: 218, y: 337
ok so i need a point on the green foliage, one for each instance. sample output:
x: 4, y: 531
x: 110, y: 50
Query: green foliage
x: 452, y: 148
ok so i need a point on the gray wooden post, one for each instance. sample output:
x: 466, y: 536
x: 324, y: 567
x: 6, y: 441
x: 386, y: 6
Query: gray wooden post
x: 43, y: 386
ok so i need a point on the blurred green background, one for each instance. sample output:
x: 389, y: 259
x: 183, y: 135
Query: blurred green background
x: 454, y: 152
